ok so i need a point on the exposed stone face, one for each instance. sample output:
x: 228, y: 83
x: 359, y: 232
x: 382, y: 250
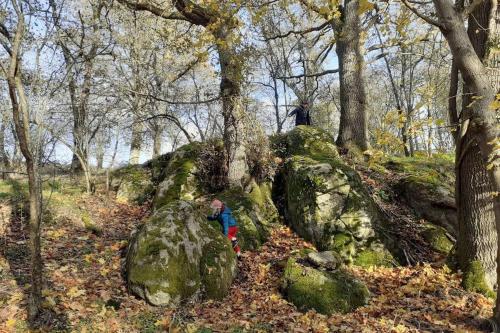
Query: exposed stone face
x: 324, y: 291
x: 327, y: 204
x: 177, y: 254
x: 326, y: 259
x: 132, y: 184
x: 434, y: 204
x: 179, y: 177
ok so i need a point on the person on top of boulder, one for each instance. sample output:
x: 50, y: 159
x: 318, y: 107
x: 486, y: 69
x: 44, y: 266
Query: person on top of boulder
x: 301, y: 114
x: 222, y: 214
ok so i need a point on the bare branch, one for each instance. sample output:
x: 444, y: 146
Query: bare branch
x: 174, y: 102
x: 147, y: 6
x: 301, y: 32
x: 471, y: 7
x: 329, y: 71
x: 422, y: 16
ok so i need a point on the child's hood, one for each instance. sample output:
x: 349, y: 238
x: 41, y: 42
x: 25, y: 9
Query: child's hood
x: 226, y: 211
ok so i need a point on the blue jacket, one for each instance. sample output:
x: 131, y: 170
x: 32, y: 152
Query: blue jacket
x: 225, y: 218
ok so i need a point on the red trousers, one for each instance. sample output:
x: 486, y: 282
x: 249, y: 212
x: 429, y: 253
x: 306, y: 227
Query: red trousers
x: 231, y: 234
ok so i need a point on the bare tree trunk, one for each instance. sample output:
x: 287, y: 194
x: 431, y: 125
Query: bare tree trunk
x: 115, y: 150
x: 232, y: 110
x: 20, y: 116
x: 4, y: 158
x: 477, y: 237
x: 353, y: 127
x: 100, y: 154
x: 157, y: 140
x: 136, y: 143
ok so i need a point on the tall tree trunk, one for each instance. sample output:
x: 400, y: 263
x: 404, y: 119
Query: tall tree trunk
x: 452, y: 100
x: 157, y: 140
x: 20, y: 117
x: 479, y: 125
x: 4, y: 157
x: 477, y: 237
x: 136, y: 142
x: 232, y: 109
x: 353, y: 127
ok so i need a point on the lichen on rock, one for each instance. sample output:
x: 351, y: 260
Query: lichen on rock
x: 180, y: 177
x: 327, y: 204
x: 177, y: 254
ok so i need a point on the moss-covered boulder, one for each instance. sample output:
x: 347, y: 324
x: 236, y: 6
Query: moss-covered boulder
x: 132, y: 184
x: 158, y: 167
x: 177, y: 254
x: 326, y: 292
x: 438, y: 238
x: 312, y: 142
x: 180, y: 180
x: 327, y: 203
x: 254, y: 212
x: 427, y: 185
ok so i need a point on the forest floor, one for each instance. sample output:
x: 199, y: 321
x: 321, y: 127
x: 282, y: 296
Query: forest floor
x: 85, y: 290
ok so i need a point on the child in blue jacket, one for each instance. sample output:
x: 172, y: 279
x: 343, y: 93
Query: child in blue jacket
x: 223, y: 215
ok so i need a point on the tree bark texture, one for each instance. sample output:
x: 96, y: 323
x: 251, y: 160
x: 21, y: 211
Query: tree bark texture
x: 353, y: 127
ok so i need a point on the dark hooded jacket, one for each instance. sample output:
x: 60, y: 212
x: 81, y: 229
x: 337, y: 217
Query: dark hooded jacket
x: 302, y: 116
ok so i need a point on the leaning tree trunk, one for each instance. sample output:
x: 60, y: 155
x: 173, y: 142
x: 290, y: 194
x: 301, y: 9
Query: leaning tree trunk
x: 4, y: 158
x: 21, y: 122
x: 482, y: 123
x: 232, y: 109
x: 353, y: 127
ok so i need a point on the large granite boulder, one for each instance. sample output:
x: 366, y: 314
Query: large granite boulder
x: 327, y: 204
x: 177, y: 254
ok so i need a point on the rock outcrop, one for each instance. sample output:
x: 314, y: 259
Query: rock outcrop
x: 177, y: 254
x: 326, y: 202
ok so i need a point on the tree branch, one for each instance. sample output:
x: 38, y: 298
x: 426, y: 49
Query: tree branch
x: 422, y: 16
x: 141, y: 5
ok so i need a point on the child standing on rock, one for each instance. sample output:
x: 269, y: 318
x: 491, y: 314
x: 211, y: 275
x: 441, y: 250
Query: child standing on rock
x: 222, y: 214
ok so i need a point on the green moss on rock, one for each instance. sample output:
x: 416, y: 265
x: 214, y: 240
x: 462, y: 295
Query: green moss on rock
x: 311, y: 141
x: 327, y: 204
x: 370, y: 257
x: 326, y: 292
x: 474, y: 279
x: 254, y: 212
x: 132, y: 184
x: 180, y: 181
x: 437, y: 238
x: 176, y: 254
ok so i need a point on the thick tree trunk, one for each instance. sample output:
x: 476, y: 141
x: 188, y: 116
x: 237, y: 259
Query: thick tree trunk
x: 452, y: 100
x: 353, y: 127
x: 479, y: 123
x: 476, y: 243
x: 136, y: 143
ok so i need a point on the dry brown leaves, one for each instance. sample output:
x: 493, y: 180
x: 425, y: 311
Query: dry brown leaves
x: 86, y: 291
